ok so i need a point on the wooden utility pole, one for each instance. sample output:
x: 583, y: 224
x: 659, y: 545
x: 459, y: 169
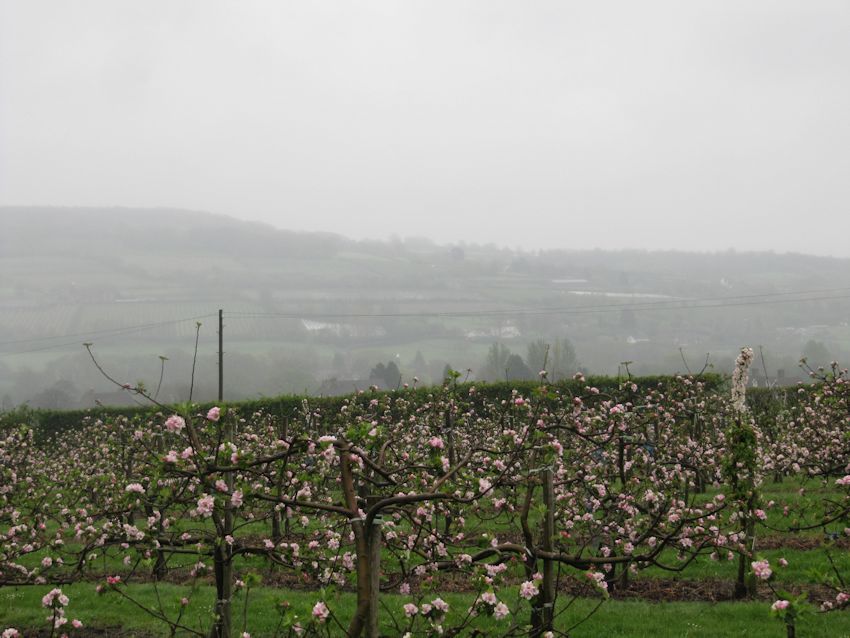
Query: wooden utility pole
x: 220, y: 355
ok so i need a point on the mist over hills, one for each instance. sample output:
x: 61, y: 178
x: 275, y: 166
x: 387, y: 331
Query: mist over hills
x: 317, y: 312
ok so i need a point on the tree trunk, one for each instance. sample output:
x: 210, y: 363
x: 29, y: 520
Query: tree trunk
x: 364, y: 581
x: 374, y: 576
x: 223, y: 555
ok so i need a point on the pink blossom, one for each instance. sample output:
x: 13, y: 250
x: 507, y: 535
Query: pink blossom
x: 410, y: 610
x: 214, y: 414
x: 236, y: 498
x: 779, y: 605
x: 440, y: 605
x: 54, y: 595
x: 528, y: 590
x: 436, y: 442
x: 135, y: 488
x: 175, y: 423
x: 321, y: 612
x: 761, y: 568
x: 489, y: 598
x: 206, y: 504
x: 500, y: 611
x: 598, y: 579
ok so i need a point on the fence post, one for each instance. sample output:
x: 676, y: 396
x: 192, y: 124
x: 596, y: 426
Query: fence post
x: 548, y: 537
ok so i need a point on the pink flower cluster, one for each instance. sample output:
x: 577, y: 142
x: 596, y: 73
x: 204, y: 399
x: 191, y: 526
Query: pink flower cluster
x: 56, y: 601
x: 528, y: 590
x: 321, y: 612
x: 175, y: 423
x: 206, y: 504
x: 762, y: 570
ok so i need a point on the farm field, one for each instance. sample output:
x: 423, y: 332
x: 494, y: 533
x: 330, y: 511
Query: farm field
x: 663, y: 507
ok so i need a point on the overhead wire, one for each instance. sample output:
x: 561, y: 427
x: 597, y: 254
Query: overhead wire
x: 680, y: 303
x: 111, y: 332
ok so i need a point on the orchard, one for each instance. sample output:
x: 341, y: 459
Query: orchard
x: 444, y: 513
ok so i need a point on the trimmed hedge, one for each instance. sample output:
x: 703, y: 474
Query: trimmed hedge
x: 47, y: 423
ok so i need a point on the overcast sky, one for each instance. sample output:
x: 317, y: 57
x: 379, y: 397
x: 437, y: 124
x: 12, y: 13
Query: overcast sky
x: 685, y: 125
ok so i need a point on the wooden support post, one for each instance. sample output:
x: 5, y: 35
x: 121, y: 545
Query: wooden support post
x: 547, y: 544
x: 223, y: 552
x: 374, y: 577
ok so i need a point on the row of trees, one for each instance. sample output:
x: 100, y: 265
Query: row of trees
x: 558, y: 359
x: 385, y: 494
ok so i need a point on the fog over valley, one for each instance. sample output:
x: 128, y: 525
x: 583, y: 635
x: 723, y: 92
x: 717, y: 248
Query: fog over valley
x: 323, y: 314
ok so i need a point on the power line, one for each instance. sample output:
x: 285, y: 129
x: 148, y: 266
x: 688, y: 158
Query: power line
x: 93, y: 334
x: 683, y: 303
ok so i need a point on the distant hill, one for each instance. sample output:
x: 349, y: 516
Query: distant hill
x: 305, y: 308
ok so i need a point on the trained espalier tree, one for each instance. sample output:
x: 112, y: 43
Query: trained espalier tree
x: 813, y: 447
x: 512, y: 497
x: 743, y: 472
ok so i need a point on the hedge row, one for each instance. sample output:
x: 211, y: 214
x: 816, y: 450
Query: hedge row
x: 50, y: 422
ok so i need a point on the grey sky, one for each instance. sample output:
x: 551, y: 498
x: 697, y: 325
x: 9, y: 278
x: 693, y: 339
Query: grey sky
x: 688, y: 125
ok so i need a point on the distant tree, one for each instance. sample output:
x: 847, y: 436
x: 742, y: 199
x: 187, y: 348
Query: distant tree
x: 536, y: 357
x: 378, y: 373
x: 816, y: 354
x: 59, y: 395
x: 447, y: 372
x: 388, y: 376
x: 516, y: 370
x: 419, y: 365
x: 339, y: 364
x: 495, y: 363
x: 392, y: 375
x: 562, y: 359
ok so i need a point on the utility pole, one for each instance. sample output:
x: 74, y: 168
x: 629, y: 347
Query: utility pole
x: 220, y: 355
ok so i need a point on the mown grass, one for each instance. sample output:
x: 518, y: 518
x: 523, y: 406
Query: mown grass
x: 20, y: 607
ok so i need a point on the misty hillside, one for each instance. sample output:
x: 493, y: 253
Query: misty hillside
x: 319, y: 312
